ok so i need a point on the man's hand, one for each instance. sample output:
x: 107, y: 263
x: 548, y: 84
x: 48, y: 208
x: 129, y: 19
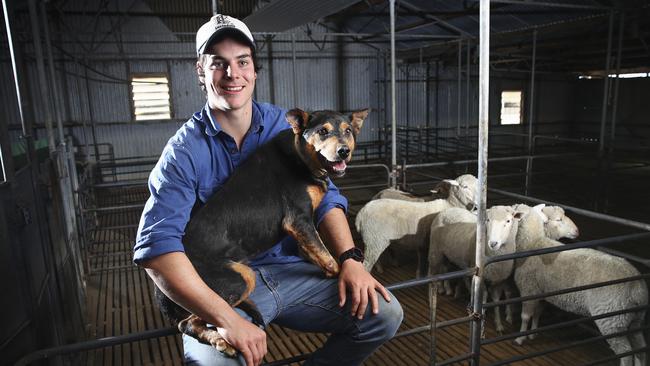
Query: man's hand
x: 362, y: 287
x: 246, y: 337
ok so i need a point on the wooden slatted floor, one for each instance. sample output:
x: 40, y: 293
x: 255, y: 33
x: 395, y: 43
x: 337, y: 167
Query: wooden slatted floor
x: 119, y: 302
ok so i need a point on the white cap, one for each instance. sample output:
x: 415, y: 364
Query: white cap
x: 216, y: 25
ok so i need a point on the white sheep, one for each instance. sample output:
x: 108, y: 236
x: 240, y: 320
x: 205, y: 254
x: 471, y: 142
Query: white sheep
x: 558, y: 225
x: 456, y: 242
x: 557, y: 271
x: 396, y: 194
x: 441, y: 190
x: 384, y: 222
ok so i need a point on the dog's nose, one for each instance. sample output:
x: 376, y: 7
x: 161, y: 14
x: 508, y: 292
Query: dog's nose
x: 343, y: 152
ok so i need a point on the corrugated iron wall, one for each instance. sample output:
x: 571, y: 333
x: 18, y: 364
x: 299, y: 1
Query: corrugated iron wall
x: 325, y: 75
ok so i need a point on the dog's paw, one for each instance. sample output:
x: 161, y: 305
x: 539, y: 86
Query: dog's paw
x: 224, y: 347
x: 216, y: 340
x: 331, y: 269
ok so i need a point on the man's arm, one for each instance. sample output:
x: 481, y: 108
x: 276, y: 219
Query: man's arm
x: 353, y: 277
x: 176, y: 277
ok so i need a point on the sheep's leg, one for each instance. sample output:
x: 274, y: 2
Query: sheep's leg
x: 620, y: 344
x: 527, y: 312
x: 379, y: 267
x: 468, y: 284
x: 539, y: 307
x: 447, y: 288
x: 507, y: 288
x: 459, y: 290
x: 637, y: 341
x: 374, y: 248
x: 495, y: 293
x: 423, y: 263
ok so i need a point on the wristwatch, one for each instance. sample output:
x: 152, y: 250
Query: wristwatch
x: 352, y: 253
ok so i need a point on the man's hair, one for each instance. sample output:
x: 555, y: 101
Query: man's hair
x: 237, y: 36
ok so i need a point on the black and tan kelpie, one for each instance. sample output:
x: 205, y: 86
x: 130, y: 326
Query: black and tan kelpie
x: 272, y: 194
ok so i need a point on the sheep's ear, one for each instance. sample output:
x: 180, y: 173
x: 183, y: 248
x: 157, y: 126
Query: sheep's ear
x: 518, y: 215
x: 452, y: 182
x: 297, y: 118
x: 357, y: 118
x: 539, y: 207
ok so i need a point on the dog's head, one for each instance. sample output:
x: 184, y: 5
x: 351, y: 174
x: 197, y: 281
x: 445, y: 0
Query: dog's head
x: 327, y: 138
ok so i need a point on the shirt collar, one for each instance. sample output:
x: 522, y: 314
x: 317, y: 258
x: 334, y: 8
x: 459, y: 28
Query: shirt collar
x: 212, y: 126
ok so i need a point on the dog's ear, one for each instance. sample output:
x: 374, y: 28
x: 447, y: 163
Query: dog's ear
x: 297, y: 118
x: 357, y: 118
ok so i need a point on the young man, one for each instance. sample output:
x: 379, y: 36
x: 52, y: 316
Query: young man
x: 289, y: 290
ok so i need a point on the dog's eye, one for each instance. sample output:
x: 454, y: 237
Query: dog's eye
x: 348, y: 131
x: 323, y: 131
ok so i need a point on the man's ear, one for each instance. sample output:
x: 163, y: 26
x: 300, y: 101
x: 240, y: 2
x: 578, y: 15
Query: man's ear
x: 297, y: 118
x: 357, y: 118
x: 200, y: 72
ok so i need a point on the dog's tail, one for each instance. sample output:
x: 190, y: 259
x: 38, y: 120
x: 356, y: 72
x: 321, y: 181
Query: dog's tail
x: 250, y: 308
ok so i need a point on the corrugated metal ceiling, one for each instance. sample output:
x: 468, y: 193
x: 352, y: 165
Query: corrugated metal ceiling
x: 281, y: 15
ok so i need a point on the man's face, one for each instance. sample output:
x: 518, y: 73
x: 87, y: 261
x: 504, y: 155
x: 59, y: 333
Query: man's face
x: 229, y: 75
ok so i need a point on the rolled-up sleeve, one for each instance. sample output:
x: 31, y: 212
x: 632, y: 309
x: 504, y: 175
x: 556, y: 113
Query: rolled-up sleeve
x: 172, y: 185
x: 332, y: 199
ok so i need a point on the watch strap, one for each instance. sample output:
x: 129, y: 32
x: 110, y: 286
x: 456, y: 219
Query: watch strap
x: 352, y: 253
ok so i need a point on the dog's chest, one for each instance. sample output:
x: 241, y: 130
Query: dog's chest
x: 316, y: 194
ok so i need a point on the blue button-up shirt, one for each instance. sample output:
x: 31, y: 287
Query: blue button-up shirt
x: 194, y: 164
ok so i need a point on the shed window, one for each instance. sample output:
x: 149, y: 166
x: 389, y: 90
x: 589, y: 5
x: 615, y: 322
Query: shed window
x: 511, y: 107
x: 150, y: 97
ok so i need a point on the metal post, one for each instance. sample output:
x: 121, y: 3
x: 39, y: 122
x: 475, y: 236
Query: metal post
x: 437, y: 114
x: 393, y: 103
x: 427, y: 107
x: 215, y: 7
x: 483, y: 124
x: 378, y: 91
x: 603, y: 118
x: 612, y: 135
x: 531, y: 104
x: 460, y: 63
x: 384, y: 142
x: 293, y: 69
x: 90, y: 113
x: 621, y: 28
x: 468, y: 80
x: 5, y: 146
x: 40, y: 68
x: 269, y: 52
x: 433, y: 307
x: 54, y: 84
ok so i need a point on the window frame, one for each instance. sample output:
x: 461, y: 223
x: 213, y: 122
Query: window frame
x: 521, y: 107
x: 164, y: 75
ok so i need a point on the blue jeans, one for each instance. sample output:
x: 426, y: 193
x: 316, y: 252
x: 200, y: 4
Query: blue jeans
x: 298, y: 296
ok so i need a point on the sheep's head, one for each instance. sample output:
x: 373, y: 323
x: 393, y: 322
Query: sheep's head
x: 559, y: 225
x: 532, y: 224
x: 502, y: 223
x: 460, y: 192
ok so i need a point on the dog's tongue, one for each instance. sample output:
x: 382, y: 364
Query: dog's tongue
x: 340, y: 165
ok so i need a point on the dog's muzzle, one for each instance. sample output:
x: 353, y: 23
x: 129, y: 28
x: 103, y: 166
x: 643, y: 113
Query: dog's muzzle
x: 343, y: 152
